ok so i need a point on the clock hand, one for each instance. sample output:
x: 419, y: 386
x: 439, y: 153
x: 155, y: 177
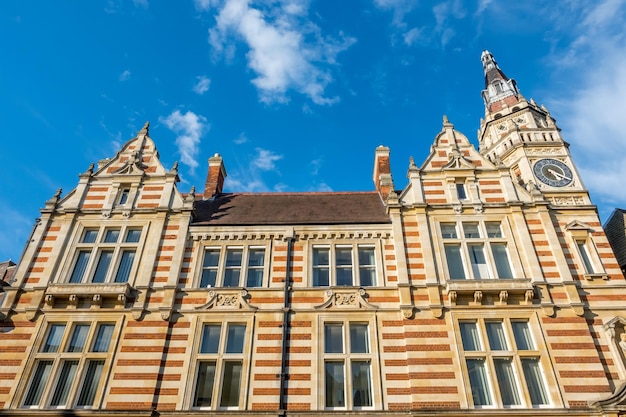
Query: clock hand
x: 556, y: 174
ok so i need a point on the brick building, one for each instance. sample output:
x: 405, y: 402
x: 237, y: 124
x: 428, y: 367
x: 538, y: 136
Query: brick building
x: 485, y: 286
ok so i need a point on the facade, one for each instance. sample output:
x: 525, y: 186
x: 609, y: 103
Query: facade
x: 615, y: 229
x: 485, y: 286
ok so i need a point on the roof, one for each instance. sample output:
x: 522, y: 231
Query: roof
x: 291, y: 209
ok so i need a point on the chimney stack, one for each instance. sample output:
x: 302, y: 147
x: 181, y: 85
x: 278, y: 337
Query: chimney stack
x: 382, y: 172
x: 215, y: 177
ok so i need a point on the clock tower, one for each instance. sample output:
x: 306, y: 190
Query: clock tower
x: 521, y: 135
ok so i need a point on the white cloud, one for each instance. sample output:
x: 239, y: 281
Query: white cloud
x: 412, y: 36
x: 241, y: 139
x: 202, y: 86
x: 125, y: 75
x: 286, y: 51
x: 189, y: 128
x: 265, y: 159
x: 141, y: 3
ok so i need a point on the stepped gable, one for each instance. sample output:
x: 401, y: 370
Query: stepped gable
x: 291, y: 208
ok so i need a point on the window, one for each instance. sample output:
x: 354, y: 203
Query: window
x: 123, y: 196
x: 583, y: 251
x: 347, y: 365
x: 105, y: 255
x: 460, y: 191
x: 503, y: 364
x: 233, y: 267
x: 344, y: 265
x: 476, y: 250
x: 220, y: 364
x: 68, y: 367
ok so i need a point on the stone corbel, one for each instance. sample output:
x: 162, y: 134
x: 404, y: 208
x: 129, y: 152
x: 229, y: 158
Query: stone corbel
x: 452, y: 296
x: 478, y: 298
x: 49, y: 300
x: 73, y: 301
x: 503, y: 298
x: 139, y: 306
x: 35, y: 303
x: 407, y: 312
x: 574, y: 298
x: 96, y: 301
x: 435, y: 301
x: 169, y: 295
x: 121, y: 301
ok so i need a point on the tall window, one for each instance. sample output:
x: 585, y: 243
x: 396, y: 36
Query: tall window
x: 69, y: 365
x: 349, y: 265
x: 476, y: 250
x: 583, y: 252
x: 347, y: 365
x: 219, y: 368
x: 105, y: 255
x: 503, y: 364
x: 233, y: 267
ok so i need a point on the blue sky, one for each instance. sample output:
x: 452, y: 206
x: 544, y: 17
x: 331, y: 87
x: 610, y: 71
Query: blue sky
x: 294, y: 94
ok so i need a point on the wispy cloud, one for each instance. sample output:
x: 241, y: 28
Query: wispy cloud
x: 189, y: 128
x: 202, y: 85
x: 241, y: 139
x: 125, y: 75
x: 141, y: 3
x: 14, y: 230
x: 256, y: 172
x: 286, y: 50
x: 265, y: 159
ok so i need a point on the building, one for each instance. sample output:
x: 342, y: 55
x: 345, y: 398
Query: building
x: 485, y: 286
x: 615, y: 229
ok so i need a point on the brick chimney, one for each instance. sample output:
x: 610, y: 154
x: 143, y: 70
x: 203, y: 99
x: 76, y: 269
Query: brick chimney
x: 382, y: 172
x: 215, y: 177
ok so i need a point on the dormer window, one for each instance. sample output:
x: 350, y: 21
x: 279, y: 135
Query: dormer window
x: 460, y: 191
x: 123, y: 198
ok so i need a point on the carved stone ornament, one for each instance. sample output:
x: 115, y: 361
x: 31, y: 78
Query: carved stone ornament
x: 458, y: 161
x: 227, y: 299
x: 345, y: 300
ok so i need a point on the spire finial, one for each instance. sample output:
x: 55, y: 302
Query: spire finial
x: 144, y: 130
x: 446, y: 122
x: 500, y: 91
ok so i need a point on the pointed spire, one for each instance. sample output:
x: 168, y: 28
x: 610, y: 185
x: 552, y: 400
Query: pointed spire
x: 144, y: 130
x: 500, y: 91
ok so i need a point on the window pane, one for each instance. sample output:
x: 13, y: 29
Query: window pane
x: 343, y: 263
x: 210, y: 338
x: 493, y: 229
x: 90, y: 236
x: 103, y: 266
x: 209, y: 268
x: 38, y: 382
x: 502, y: 260
x: 495, y: 333
x: 321, y: 257
x: 333, y: 338
x: 126, y: 263
x: 478, y: 261
x: 478, y: 382
x: 534, y: 381
x: 448, y: 230
x: 103, y: 338
x: 124, y: 196
x: 111, y: 236
x: 523, y: 338
x: 231, y: 277
x: 204, y: 384
x: 208, y: 278
x: 211, y: 258
x: 255, y: 278
x: 469, y: 336
x: 460, y: 192
x: 344, y: 276
x: 133, y: 235
x: 321, y: 262
x: 90, y: 383
x: 361, y: 389
x: 79, y: 337
x: 235, y: 338
x: 584, y: 255
x: 321, y: 277
x: 366, y: 256
x: 64, y: 383
x: 455, y: 264
x: 334, y: 378
x: 367, y: 268
x: 471, y: 230
x: 506, y: 382
x: 359, y: 340
x: 233, y: 257
x: 256, y: 257
x: 230, y: 384
x: 367, y: 276
x: 81, y: 265
x: 53, y: 340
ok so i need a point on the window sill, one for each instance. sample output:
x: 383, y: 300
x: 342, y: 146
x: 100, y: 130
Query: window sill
x: 92, y: 295
x: 489, y: 291
x: 601, y: 275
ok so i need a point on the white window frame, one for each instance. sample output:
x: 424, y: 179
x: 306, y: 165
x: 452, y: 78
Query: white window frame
x: 512, y: 353
x: 60, y: 356
x: 580, y: 235
x: 483, y: 240
x: 348, y: 357
x: 96, y: 248
x: 220, y: 358
x: 355, y: 266
x: 221, y: 267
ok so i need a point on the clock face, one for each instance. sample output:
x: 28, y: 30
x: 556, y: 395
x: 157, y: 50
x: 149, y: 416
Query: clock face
x: 553, y: 172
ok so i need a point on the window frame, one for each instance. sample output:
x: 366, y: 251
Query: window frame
x: 345, y: 320
x: 62, y: 355
x: 515, y: 355
x: 244, y: 267
x: 487, y: 244
x: 96, y: 248
x: 355, y: 266
x: 220, y: 358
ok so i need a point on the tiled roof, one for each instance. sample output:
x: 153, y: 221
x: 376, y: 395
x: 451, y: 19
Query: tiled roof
x: 291, y: 208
